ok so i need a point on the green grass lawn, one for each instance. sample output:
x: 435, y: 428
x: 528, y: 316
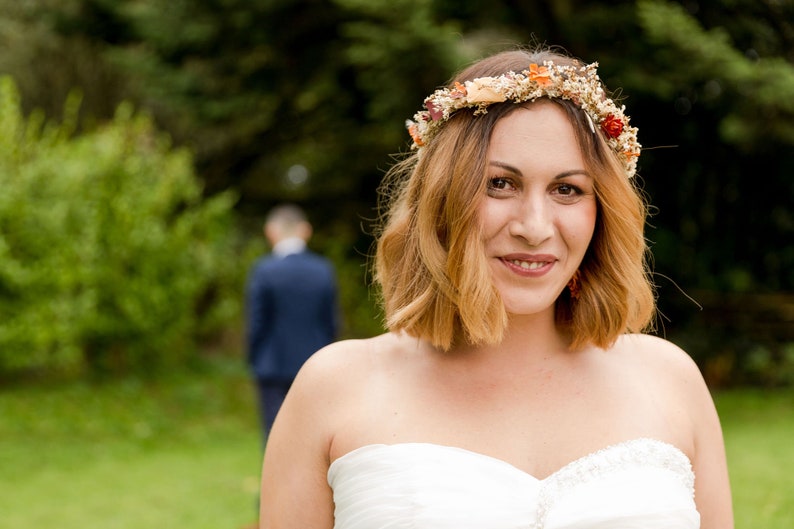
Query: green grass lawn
x: 759, y: 438
x: 186, y: 453
x: 130, y: 455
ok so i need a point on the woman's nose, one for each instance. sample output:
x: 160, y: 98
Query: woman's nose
x: 532, y: 222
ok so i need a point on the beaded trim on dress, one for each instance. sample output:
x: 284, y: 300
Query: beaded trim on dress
x: 644, y: 451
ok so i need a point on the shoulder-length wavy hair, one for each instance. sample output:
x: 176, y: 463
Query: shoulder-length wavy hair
x: 430, y: 260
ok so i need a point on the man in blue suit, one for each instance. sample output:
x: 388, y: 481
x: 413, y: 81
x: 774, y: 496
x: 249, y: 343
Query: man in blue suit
x: 291, y: 300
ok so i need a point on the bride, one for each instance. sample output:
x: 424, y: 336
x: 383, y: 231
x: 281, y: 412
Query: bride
x: 514, y: 388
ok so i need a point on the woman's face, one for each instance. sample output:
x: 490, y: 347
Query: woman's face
x: 540, y: 210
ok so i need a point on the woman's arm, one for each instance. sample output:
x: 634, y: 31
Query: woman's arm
x: 295, y: 492
x: 712, y: 484
x: 691, y: 412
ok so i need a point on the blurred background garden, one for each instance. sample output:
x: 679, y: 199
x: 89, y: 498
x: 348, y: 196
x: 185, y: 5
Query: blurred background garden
x: 142, y: 142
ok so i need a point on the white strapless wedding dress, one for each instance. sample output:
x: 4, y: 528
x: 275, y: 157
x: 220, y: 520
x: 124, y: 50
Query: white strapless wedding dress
x: 637, y: 484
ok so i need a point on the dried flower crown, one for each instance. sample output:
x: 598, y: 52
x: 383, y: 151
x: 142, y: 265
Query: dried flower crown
x: 581, y: 85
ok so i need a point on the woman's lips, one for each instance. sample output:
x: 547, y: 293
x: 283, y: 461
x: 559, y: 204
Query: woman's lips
x: 529, y: 265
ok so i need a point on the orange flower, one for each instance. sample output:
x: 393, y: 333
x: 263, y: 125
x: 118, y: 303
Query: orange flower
x: 460, y: 91
x: 539, y: 74
x: 414, y: 132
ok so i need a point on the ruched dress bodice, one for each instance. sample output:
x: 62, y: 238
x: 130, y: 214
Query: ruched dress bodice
x: 637, y: 484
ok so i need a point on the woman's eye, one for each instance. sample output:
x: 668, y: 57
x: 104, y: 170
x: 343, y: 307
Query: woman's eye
x: 499, y: 184
x: 567, y: 190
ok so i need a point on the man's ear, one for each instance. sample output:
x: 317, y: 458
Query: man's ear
x: 305, y: 231
x: 272, y: 233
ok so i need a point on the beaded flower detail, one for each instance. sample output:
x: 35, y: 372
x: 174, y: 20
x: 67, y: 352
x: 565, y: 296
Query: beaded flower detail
x: 581, y: 85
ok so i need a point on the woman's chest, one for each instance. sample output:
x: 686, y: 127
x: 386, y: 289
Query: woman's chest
x: 536, y: 423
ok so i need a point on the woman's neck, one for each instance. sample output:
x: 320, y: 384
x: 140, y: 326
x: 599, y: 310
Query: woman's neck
x: 535, y: 335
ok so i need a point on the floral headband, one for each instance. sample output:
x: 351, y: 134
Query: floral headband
x: 578, y: 84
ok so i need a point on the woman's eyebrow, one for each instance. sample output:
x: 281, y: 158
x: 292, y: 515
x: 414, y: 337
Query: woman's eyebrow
x: 517, y: 171
x: 505, y: 166
x: 572, y: 173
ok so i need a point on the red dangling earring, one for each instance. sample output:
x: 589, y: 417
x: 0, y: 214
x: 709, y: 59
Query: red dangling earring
x: 574, y: 285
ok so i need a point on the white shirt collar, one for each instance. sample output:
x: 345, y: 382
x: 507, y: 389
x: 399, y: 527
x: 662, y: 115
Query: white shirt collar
x: 289, y: 246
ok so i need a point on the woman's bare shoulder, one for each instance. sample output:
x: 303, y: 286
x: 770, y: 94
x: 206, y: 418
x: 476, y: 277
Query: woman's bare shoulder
x: 346, y: 361
x: 660, y: 364
x: 329, y: 381
x: 657, y: 354
x: 347, y: 352
x: 340, y: 380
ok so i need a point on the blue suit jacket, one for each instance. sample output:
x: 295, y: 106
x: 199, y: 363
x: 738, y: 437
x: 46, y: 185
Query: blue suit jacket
x: 292, y: 312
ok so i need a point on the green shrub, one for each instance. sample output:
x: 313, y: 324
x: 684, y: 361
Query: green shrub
x: 110, y: 258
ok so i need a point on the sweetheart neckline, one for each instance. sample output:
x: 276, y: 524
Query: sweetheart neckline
x: 622, y: 445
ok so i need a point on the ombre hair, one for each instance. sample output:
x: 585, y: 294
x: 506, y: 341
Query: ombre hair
x: 430, y: 259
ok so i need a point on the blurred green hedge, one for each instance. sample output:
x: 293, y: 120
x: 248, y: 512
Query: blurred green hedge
x: 110, y: 258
